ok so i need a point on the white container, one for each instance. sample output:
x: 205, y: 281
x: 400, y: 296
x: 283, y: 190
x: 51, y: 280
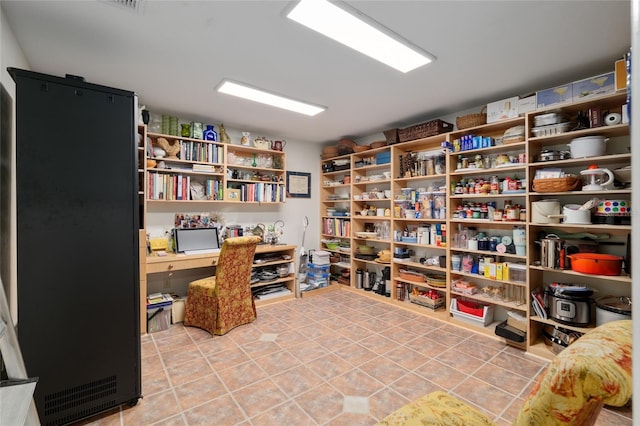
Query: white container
x: 520, y: 240
x: 483, y: 321
x: 546, y: 211
x: 588, y: 146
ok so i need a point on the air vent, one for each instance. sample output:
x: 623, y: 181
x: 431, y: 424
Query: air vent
x: 90, y: 393
x: 136, y: 6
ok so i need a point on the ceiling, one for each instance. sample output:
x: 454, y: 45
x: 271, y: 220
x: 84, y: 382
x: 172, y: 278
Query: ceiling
x: 174, y: 53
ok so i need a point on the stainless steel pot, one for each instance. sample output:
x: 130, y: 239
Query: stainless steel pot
x: 550, y: 251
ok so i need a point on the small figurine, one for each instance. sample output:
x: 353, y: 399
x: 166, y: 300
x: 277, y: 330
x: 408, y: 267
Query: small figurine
x: 224, y: 137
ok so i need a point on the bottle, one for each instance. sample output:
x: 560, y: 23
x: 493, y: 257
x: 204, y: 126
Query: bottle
x: 210, y: 134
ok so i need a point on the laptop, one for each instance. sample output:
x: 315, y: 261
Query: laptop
x: 197, y: 240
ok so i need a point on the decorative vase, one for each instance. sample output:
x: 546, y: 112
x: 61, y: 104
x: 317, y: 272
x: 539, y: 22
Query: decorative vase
x: 210, y: 134
x: 196, y: 130
x: 186, y: 130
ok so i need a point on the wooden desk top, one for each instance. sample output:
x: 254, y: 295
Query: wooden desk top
x: 173, y: 262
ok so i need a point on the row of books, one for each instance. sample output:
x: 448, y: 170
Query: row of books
x: 201, y: 151
x: 162, y: 186
x: 336, y: 227
x: 261, y: 192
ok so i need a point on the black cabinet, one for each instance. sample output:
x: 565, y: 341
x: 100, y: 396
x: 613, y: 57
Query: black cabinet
x: 77, y: 241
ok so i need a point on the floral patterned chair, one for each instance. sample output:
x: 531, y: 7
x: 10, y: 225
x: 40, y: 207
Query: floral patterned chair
x: 218, y: 304
x: 593, y: 371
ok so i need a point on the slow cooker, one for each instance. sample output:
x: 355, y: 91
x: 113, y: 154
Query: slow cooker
x: 569, y: 304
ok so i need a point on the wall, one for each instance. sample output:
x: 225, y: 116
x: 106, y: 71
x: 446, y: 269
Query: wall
x: 10, y: 56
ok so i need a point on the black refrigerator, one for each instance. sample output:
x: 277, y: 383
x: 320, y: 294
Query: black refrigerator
x: 77, y: 244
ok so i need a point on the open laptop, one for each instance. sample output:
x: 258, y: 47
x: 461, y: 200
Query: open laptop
x: 197, y: 240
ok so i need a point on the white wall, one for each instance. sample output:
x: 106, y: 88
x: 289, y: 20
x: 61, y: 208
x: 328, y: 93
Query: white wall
x: 11, y: 56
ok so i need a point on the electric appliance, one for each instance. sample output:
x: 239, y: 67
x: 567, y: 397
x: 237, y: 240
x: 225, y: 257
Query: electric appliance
x: 569, y: 304
x: 78, y: 302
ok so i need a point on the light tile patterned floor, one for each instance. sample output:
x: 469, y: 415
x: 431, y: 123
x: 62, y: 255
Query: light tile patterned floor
x: 334, y: 359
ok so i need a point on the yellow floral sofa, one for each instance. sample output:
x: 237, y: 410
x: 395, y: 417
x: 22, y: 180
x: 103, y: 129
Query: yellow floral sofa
x: 593, y: 371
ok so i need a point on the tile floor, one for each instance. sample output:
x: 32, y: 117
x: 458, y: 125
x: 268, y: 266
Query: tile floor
x: 338, y: 358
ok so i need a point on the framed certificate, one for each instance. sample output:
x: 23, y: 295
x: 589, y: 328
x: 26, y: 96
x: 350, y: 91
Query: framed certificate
x: 299, y: 184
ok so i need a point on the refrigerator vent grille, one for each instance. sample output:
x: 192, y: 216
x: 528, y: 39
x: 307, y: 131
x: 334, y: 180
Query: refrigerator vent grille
x: 99, y: 390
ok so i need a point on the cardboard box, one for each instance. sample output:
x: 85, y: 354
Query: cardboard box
x: 232, y: 194
x: 177, y: 310
x: 503, y: 109
x: 555, y: 95
x: 520, y: 325
x: 621, y: 75
x: 527, y: 104
x: 594, y: 86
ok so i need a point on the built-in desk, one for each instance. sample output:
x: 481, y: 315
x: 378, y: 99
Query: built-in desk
x: 266, y: 255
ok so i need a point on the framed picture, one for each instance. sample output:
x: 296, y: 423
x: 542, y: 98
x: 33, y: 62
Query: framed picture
x: 299, y: 184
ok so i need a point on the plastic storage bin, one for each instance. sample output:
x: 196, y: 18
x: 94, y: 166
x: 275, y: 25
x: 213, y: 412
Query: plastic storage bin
x: 159, y: 317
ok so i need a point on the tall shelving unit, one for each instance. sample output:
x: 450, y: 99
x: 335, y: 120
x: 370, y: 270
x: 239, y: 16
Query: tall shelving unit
x: 523, y: 162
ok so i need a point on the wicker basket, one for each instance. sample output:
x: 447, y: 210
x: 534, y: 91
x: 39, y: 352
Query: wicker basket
x: 424, y: 130
x: 391, y: 135
x: 472, y: 120
x: 563, y: 184
x: 361, y: 148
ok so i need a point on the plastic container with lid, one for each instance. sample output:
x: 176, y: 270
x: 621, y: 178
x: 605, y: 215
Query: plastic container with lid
x: 516, y: 272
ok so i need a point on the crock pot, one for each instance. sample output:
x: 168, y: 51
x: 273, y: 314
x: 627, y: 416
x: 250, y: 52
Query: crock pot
x: 569, y: 304
x: 612, y: 308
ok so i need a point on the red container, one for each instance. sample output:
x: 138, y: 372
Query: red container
x: 471, y: 308
x: 596, y: 263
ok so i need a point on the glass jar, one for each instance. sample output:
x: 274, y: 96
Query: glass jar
x: 186, y: 130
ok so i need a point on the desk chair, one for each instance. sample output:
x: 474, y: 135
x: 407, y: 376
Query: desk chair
x: 222, y: 302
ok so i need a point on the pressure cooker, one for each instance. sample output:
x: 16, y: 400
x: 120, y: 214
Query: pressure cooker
x: 569, y: 304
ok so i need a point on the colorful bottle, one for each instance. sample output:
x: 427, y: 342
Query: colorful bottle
x: 210, y: 134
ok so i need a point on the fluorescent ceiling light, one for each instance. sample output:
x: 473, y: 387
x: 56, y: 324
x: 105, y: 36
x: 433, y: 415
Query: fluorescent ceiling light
x: 242, y: 90
x: 369, y: 37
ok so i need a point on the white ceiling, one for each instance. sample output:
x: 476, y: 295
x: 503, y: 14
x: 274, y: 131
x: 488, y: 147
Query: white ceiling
x: 174, y: 53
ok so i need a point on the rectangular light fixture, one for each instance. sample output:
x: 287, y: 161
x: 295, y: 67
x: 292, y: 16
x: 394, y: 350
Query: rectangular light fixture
x: 359, y: 32
x: 245, y: 91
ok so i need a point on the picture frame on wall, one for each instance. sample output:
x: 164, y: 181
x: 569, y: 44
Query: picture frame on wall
x: 299, y: 184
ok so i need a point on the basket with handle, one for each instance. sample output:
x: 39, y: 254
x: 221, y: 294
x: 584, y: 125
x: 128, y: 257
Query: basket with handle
x: 472, y: 120
x: 562, y: 184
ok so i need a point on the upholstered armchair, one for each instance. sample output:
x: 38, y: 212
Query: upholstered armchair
x: 593, y: 371
x: 222, y: 302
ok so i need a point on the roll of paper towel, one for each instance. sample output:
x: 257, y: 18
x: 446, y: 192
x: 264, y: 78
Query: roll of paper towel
x: 612, y: 119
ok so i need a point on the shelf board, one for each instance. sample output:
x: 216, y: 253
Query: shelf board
x: 488, y: 222
x: 419, y: 220
x: 606, y: 193
x: 591, y: 227
x: 425, y: 177
x: 370, y: 182
x: 511, y: 147
x: 555, y: 323
x: 371, y: 167
x: 184, y: 171
x: 433, y: 268
x: 617, y: 278
x: 483, y: 278
x: 496, y: 170
x: 430, y: 246
x: 501, y: 195
x: 562, y: 138
x: 490, y: 253
x: 486, y: 299
x: 262, y: 169
x: 600, y: 160
x: 242, y: 148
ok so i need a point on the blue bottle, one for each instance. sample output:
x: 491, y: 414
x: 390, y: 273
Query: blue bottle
x: 210, y: 134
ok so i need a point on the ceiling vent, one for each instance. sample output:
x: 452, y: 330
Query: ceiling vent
x: 136, y: 6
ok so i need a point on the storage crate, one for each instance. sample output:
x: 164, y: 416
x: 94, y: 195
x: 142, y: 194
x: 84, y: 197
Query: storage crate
x: 427, y: 302
x: 159, y: 317
x: 483, y: 321
x: 383, y: 157
x: 424, y: 130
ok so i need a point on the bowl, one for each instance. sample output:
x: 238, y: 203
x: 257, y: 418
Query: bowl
x: 623, y: 174
x: 387, y: 175
x: 366, y: 234
x: 365, y: 249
